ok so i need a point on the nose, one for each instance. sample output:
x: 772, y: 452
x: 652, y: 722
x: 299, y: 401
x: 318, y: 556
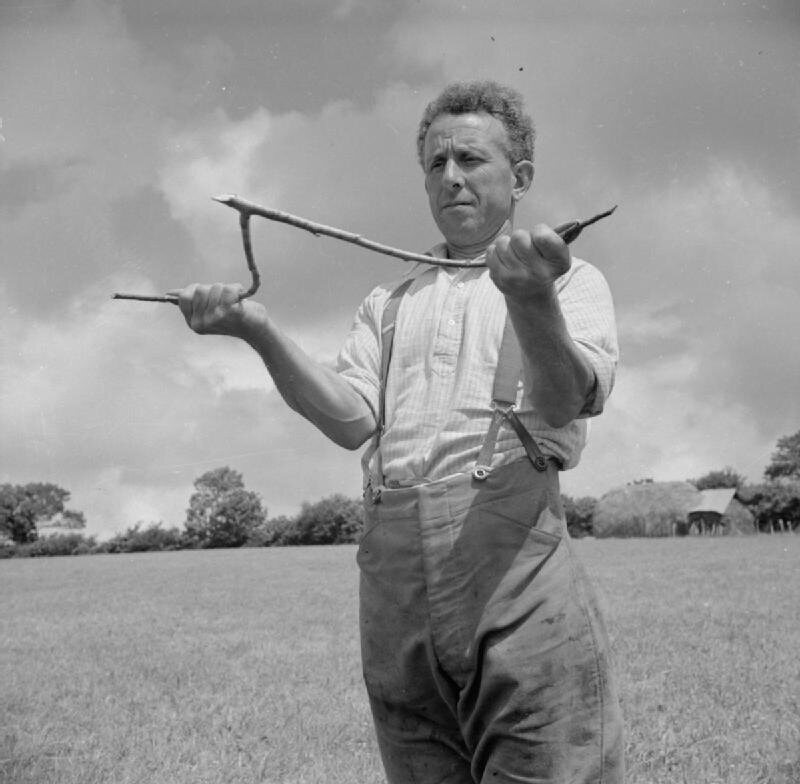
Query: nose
x: 452, y: 175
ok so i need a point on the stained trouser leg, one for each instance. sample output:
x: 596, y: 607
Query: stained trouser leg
x: 484, y: 651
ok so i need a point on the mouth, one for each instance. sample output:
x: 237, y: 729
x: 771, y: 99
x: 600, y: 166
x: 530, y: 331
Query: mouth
x: 454, y: 204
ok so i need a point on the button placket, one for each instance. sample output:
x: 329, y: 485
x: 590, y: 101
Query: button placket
x: 448, y: 337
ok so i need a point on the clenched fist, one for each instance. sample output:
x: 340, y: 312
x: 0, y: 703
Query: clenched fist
x: 524, y: 264
x: 217, y: 309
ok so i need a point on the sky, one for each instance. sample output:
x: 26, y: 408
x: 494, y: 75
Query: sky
x: 120, y: 120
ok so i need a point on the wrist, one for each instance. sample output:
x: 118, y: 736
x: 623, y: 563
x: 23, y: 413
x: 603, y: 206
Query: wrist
x: 253, y: 323
x: 539, y: 298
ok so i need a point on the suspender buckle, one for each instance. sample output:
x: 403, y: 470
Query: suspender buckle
x: 372, y: 493
x: 480, y: 472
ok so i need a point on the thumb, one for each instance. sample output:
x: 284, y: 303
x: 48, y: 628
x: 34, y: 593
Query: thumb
x: 183, y: 299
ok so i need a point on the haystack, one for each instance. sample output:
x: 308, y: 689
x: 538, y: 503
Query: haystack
x: 646, y: 509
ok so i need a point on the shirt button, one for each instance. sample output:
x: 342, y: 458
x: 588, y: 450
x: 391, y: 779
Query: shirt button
x: 460, y: 284
x: 452, y: 322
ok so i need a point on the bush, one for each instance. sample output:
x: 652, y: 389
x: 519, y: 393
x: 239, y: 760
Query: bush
x: 579, y: 514
x: 333, y: 520
x: 56, y: 544
x: 140, y: 540
x: 775, y: 505
x: 275, y: 532
x: 725, y: 477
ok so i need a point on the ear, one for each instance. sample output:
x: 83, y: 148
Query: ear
x: 523, y: 178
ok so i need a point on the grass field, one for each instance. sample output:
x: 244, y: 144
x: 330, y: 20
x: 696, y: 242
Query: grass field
x: 242, y: 666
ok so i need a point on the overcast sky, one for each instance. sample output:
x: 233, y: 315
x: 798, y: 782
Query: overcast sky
x: 121, y: 119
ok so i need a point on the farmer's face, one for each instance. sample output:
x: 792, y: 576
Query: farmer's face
x: 471, y: 184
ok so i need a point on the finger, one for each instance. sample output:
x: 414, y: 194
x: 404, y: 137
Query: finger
x: 231, y: 293
x: 521, y: 245
x: 501, y: 256
x: 200, y: 307
x: 199, y: 297
x: 548, y: 243
x: 214, y: 297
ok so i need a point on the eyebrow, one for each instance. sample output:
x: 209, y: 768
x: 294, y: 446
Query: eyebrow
x: 461, y: 148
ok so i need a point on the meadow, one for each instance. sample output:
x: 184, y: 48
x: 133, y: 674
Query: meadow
x: 242, y: 666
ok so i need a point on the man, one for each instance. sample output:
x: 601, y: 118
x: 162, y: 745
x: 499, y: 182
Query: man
x: 485, y: 657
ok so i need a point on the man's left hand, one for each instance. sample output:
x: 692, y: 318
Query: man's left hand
x: 524, y: 264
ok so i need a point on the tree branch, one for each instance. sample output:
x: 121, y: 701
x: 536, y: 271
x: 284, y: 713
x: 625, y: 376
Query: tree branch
x: 568, y: 232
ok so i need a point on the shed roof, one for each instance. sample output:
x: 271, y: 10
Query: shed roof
x: 717, y: 500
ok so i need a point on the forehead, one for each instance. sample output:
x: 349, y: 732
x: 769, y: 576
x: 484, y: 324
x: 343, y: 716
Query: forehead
x: 475, y: 129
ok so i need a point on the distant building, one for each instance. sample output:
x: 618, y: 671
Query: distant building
x: 61, y: 523
x: 718, y: 511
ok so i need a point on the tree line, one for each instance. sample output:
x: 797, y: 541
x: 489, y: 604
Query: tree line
x: 222, y: 512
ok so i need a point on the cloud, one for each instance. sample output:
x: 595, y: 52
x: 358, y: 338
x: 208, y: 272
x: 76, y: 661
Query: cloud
x: 82, y: 110
x: 709, y: 301
x: 717, y: 257
x: 121, y: 121
x: 345, y: 166
x: 625, y: 95
x: 658, y: 425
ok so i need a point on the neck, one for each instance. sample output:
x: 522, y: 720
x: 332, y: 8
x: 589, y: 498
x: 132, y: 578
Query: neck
x: 471, y: 251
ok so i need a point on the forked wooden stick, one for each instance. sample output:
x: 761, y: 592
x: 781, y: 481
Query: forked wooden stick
x: 567, y: 231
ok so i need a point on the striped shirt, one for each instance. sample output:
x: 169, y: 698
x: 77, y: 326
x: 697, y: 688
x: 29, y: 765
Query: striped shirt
x: 446, y: 344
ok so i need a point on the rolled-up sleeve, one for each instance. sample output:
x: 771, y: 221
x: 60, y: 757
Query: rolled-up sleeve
x: 588, y: 311
x: 359, y: 361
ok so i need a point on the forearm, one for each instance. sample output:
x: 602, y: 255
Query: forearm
x: 557, y: 376
x: 313, y: 390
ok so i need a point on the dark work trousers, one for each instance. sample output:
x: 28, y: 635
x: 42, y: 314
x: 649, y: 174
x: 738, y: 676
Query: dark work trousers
x: 485, y: 655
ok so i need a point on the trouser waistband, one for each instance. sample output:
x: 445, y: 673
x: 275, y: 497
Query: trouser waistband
x: 461, y: 489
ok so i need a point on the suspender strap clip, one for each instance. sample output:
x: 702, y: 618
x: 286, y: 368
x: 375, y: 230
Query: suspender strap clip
x: 531, y: 447
x: 483, y: 465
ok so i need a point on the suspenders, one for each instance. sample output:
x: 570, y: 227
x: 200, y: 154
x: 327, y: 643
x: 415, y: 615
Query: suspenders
x: 388, y: 320
x: 504, y: 400
x: 504, y: 394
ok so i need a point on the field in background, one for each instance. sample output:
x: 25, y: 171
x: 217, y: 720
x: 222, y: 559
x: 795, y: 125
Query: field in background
x: 242, y: 665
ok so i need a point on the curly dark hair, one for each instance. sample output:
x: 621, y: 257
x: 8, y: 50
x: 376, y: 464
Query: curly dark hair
x: 495, y: 99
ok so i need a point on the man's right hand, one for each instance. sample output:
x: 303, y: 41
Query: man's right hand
x: 312, y: 389
x: 217, y: 309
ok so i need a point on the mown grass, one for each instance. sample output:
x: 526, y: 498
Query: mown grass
x: 242, y: 665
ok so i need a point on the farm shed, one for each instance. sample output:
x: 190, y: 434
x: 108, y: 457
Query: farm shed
x: 719, y: 511
x: 664, y: 509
